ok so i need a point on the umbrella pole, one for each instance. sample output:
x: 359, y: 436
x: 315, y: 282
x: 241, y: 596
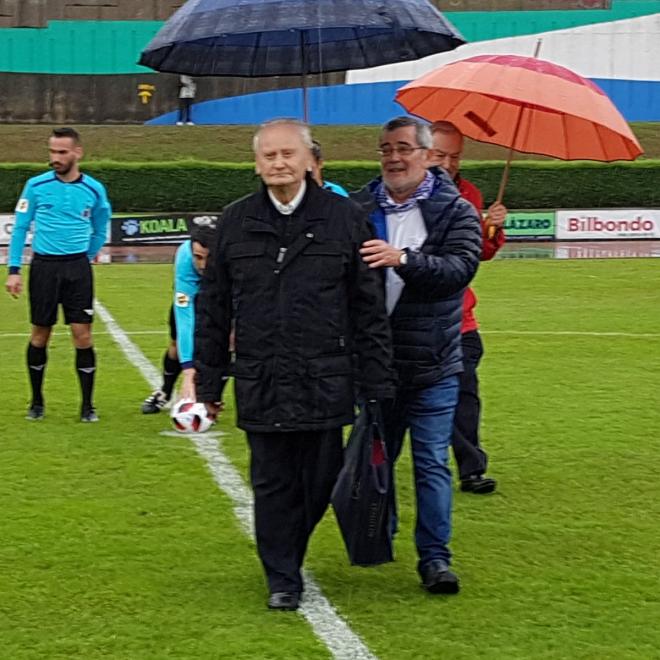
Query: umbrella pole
x: 305, y: 102
x: 505, y: 175
x: 303, y: 77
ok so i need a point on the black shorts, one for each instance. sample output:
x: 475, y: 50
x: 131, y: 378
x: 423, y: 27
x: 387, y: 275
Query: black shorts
x: 172, y: 324
x: 61, y: 280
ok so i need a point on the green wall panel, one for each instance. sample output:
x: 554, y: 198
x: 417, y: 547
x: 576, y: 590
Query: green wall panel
x: 76, y: 47
x: 483, y: 25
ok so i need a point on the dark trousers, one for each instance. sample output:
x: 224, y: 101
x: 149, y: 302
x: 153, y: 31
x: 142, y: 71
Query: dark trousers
x: 292, y: 477
x: 184, y: 110
x: 470, y: 457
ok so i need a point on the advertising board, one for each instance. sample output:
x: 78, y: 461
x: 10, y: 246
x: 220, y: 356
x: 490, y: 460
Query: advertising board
x: 530, y: 225
x: 608, y: 224
x: 166, y: 228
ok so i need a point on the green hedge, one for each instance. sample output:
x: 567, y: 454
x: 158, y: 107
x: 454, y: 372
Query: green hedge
x: 199, y: 186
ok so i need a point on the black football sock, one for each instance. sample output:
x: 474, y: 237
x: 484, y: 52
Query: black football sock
x: 36, y: 361
x: 171, y: 371
x: 86, y: 368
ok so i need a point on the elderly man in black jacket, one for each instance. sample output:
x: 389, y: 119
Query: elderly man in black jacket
x: 429, y: 244
x: 288, y: 272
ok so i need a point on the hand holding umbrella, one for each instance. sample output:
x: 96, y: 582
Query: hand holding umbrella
x: 495, y: 217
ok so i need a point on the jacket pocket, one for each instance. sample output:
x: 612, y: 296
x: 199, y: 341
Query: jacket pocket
x: 249, y: 388
x: 330, y: 390
x: 246, y: 249
x: 247, y: 262
x: 246, y: 368
x: 324, y: 260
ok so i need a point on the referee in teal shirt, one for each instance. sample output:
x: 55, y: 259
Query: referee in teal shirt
x: 317, y: 171
x: 69, y: 213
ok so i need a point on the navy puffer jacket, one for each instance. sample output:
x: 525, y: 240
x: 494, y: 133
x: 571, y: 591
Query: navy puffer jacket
x: 426, y: 321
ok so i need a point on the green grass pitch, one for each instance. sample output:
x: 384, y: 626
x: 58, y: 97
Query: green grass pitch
x: 116, y: 543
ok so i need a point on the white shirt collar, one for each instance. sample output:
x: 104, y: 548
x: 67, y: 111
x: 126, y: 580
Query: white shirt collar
x: 288, y: 209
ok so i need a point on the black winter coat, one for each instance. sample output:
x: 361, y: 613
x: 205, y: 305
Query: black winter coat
x: 426, y: 321
x: 304, y: 306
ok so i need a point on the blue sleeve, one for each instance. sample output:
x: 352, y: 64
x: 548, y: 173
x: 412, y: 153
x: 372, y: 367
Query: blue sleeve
x: 25, y: 209
x: 335, y: 188
x: 100, y: 217
x: 186, y: 287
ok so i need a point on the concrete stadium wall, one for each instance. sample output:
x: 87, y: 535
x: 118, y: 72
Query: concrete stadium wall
x: 115, y: 99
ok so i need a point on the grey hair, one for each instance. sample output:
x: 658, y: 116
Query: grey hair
x: 303, y: 129
x: 422, y: 130
x: 316, y: 151
x: 445, y: 127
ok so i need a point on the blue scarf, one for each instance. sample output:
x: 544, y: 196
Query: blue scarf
x: 424, y: 191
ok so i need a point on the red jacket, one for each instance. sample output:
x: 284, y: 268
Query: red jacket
x: 489, y: 249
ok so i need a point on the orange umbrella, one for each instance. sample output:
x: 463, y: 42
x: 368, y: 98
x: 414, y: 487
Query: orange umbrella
x: 526, y: 104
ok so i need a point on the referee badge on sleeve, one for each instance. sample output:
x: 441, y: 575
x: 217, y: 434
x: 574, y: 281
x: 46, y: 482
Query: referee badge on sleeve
x: 23, y: 205
x: 182, y: 299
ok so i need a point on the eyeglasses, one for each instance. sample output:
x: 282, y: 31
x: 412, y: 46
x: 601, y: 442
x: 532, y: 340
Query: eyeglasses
x: 404, y: 150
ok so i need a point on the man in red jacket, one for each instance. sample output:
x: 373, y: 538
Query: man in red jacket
x: 471, y: 459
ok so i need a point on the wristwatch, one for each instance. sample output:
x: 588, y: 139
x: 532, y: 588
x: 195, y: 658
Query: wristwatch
x: 403, y: 259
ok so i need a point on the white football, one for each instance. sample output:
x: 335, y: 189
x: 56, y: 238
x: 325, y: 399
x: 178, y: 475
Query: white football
x: 190, y: 417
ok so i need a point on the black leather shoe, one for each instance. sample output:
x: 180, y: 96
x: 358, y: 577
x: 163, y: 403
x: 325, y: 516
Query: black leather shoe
x: 284, y: 600
x: 438, y: 579
x: 478, y: 484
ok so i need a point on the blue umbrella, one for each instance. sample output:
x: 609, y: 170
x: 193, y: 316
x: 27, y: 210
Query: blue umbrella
x: 254, y: 38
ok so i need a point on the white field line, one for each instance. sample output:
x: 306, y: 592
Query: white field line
x: 326, y: 623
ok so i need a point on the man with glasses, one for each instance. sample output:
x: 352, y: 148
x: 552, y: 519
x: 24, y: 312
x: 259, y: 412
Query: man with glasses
x: 429, y: 242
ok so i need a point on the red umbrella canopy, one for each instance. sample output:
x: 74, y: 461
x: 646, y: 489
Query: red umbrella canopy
x: 531, y: 105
